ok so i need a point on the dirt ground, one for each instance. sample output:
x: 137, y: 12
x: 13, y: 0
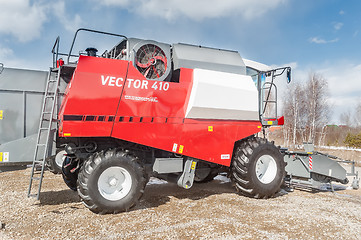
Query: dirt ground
x: 206, y: 211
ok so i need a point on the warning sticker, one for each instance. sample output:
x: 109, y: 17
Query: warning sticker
x: 1, y: 156
x: 6, y: 157
x: 181, y: 148
x: 175, y: 146
x: 1, y: 114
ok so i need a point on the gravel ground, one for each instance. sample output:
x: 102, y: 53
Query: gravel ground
x: 206, y: 211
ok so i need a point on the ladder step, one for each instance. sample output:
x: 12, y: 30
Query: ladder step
x: 47, y: 120
x: 41, y: 144
x: 36, y: 178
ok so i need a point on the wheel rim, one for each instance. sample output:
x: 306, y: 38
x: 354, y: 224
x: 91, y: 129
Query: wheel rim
x: 266, y: 169
x: 114, y: 183
x: 59, y: 158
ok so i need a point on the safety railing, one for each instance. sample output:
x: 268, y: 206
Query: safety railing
x: 93, y: 31
x: 57, y: 54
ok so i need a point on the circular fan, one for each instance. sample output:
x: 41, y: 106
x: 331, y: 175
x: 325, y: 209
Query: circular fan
x: 151, y: 61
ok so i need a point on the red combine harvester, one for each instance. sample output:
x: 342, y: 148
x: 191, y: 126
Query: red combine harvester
x: 178, y: 112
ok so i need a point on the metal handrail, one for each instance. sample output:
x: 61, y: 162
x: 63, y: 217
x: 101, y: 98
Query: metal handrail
x: 263, y: 102
x: 266, y: 101
x: 1, y: 67
x: 55, y: 54
x: 90, y: 30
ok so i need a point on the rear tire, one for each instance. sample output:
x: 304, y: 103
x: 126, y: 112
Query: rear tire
x: 111, y: 182
x: 258, y: 168
x: 54, y: 163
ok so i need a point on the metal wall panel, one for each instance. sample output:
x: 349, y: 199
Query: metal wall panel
x: 21, y: 94
x: 11, y: 125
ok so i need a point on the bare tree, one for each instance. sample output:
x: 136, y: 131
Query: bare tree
x: 357, y: 116
x: 294, y: 112
x: 345, y: 118
x: 306, y: 111
x: 318, y: 109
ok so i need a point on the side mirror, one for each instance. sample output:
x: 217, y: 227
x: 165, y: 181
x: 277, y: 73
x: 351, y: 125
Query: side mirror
x: 1, y: 67
x: 288, y: 75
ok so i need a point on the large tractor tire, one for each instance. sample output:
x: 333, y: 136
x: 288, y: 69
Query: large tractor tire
x: 111, y: 182
x: 54, y: 164
x: 258, y: 168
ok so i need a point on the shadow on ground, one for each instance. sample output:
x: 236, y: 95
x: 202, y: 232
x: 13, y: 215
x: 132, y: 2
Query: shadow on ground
x: 58, y: 197
x: 154, y: 195
x: 157, y: 195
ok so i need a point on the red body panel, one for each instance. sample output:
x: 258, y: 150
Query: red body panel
x: 127, y: 106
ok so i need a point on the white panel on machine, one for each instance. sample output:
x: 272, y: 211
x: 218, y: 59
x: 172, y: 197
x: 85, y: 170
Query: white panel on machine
x: 220, y: 95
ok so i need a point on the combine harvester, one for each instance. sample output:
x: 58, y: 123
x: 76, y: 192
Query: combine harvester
x: 178, y: 112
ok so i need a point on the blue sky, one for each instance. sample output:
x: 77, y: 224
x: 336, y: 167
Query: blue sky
x: 323, y: 36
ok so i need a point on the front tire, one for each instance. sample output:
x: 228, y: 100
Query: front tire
x: 258, y: 168
x: 111, y: 182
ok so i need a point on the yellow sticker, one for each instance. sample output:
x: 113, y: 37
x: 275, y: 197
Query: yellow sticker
x: 67, y: 134
x: 269, y: 122
x: 1, y: 156
x: 259, y: 126
x: 181, y: 148
x: 193, y: 165
x: 210, y: 128
x: 1, y: 114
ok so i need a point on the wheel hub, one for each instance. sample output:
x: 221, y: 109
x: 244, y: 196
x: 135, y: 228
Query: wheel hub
x: 266, y: 169
x: 114, y: 183
x: 59, y: 158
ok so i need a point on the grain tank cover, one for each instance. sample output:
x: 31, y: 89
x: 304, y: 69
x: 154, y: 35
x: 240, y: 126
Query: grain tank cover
x: 191, y: 56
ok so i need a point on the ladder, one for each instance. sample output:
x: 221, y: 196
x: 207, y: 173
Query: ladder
x: 44, y: 141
